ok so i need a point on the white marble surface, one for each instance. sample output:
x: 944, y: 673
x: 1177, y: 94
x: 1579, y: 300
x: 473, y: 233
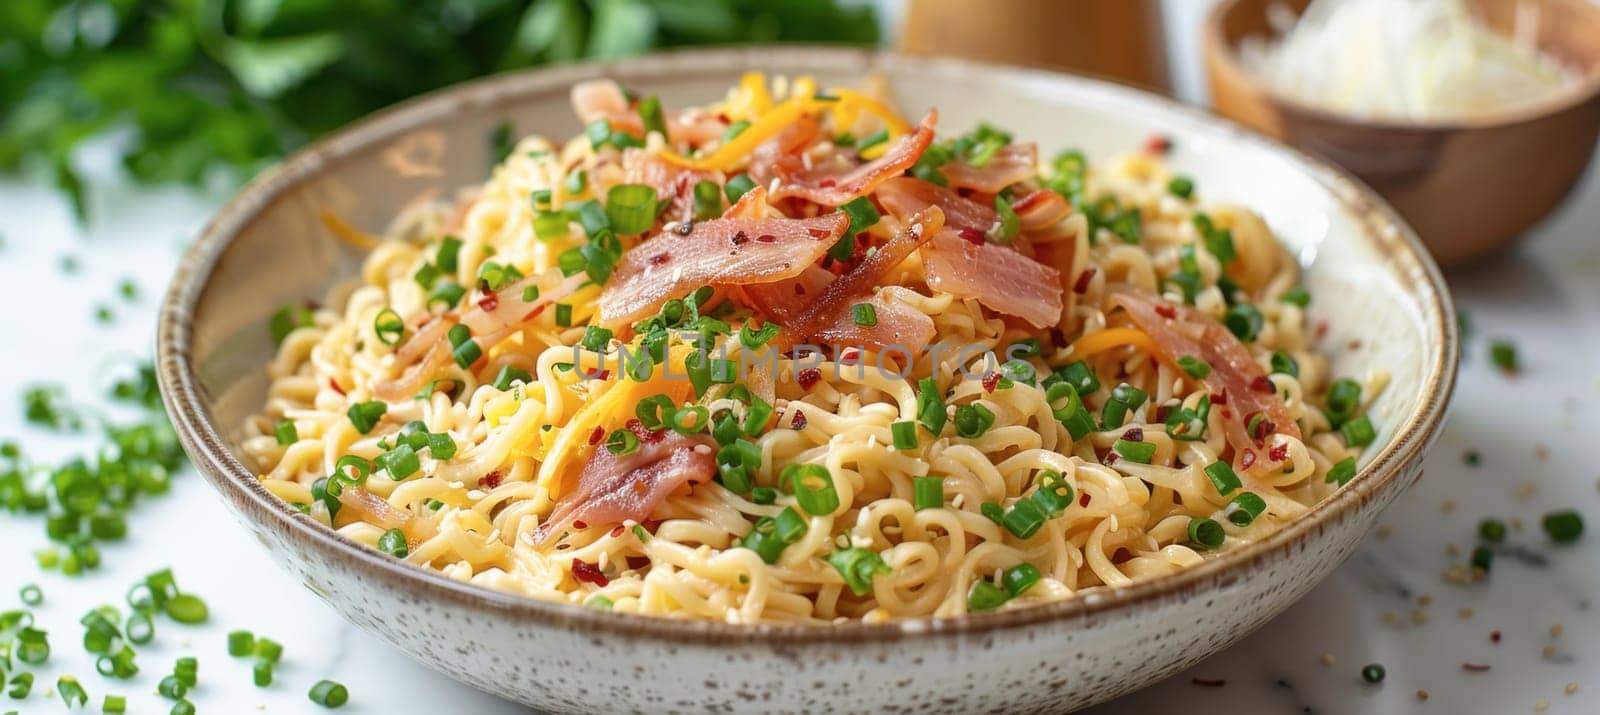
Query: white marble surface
x: 1546, y: 296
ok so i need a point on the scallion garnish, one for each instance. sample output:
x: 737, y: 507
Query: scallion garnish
x: 771, y: 535
x: 1194, y: 367
x: 813, y: 488
x: 738, y: 186
x: 1207, y: 533
x: 622, y: 442
x: 1244, y: 321
x: 930, y: 406
x: 1492, y: 530
x: 393, y: 543
x: 1140, y: 452
x: 1181, y: 187
x: 464, y: 349
x: 1344, y: 398
x: 690, y: 419
x: 972, y: 420
x: 927, y: 492
x: 329, y: 694
x: 241, y: 643
x: 631, y: 208
x: 858, y: 566
x: 905, y: 434
x: 1358, y: 432
x: 864, y: 314
x: 509, y: 375
x: 1283, y: 364
x: 563, y: 315
x: 1342, y: 471
x: 1482, y: 558
x: 447, y: 294
x: 1244, y: 508
x: 288, y: 319
x: 365, y: 415
x: 388, y: 326
x: 986, y: 596
x: 31, y: 594
x: 1564, y: 527
x: 1223, y: 477
x: 1005, y: 230
x: 1504, y: 354
x: 707, y: 200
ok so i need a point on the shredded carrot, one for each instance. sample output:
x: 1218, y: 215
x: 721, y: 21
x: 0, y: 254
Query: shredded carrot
x: 347, y: 233
x: 754, y: 86
x: 726, y: 156
x: 1109, y: 338
x: 802, y: 99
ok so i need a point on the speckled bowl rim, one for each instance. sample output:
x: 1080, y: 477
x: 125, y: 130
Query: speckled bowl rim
x: 1215, y: 43
x: 199, y: 433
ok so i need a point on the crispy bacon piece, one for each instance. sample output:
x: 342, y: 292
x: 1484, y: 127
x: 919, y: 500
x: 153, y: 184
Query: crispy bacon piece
x: 827, y: 186
x: 1011, y: 164
x: 999, y: 277
x: 831, y: 307
x: 365, y: 506
x: 719, y: 252
x: 1040, y: 209
x: 898, y: 324
x: 613, y: 489
x: 1233, y: 370
x: 604, y: 99
x: 904, y: 196
x: 674, y: 185
x: 508, y: 314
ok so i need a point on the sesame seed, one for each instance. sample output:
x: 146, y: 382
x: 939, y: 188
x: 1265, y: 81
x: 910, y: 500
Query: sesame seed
x: 1464, y: 613
x: 1452, y: 550
x: 1422, y: 695
x: 1327, y: 659
x: 1555, y: 631
x: 1419, y: 616
x: 1572, y: 688
x: 1526, y: 491
x: 1425, y: 600
x: 1448, y: 507
x: 1549, y: 651
x: 1541, y: 705
x: 1390, y: 617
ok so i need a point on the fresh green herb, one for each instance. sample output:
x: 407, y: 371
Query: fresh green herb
x: 1372, y: 673
x: 985, y: 596
x: 1482, y: 558
x: 1245, y: 508
x: 509, y: 375
x: 463, y: 348
x: 1181, y: 187
x: 329, y: 694
x: 393, y: 543
x: 1207, y: 533
x: 241, y: 643
x: 1296, y: 296
x: 1006, y: 229
x: 1342, y: 472
x: 1140, y: 452
x: 707, y: 200
x: 857, y: 566
x: 1358, y: 432
x: 927, y: 492
x: 187, y: 608
x: 1244, y: 321
x: 365, y: 415
x: 1504, y: 354
x: 930, y: 406
x: 904, y: 434
x: 813, y: 488
x: 1564, y: 527
x: 1492, y: 530
x: 71, y: 692
x: 1194, y: 367
x: 864, y: 314
x: 738, y: 186
x: 631, y: 208
x: 288, y: 319
x: 1283, y: 364
x: 1223, y: 477
x: 972, y: 420
x: 388, y: 326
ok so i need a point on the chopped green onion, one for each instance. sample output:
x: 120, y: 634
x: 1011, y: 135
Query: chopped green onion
x: 1341, y: 472
x: 1194, y: 367
x: 986, y: 596
x: 1504, y: 355
x: 329, y: 694
x: 388, y: 326
x: 268, y: 650
x: 1244, y: 321
x: 631, y: 208
x: 1372, y: 673
x: 707, y: 200
x: 70, y: 690
x: 1283, y: 364
x: 1245, y: 508
x: 654, y: 411
x: 930, y: 406
x: 734, y: 130
x: 464, y: 349
x: 927, y: 492
x: 172, y: 688
x: 813, y: 488
x: 114, y: 704
x: 864, y: 314
x: 756, y: 416
x: 1358, y: 432
x: 1207, y: 533
x: 764, y: 495
x: 21, y: 685
x: 261, y: 674
x: 737, y: 463
x: 576, y: 181
x: 622, y: 442
x: 31, y: 594
x: 1140, y: 452
x: 1296, y: 296
x: 1482, y: 558
x: 972, y: 420
x: 288, y: 319
x: 1006, y: 229
x: 393, y: 543
x: 286, y: 433
x: 690, y: 419
x: 182, y: 707
x: 510, y: 374
x: 448, y: 254
x: 858, y: 566
x: 1068, y: 408
x: 1024, y: 518
x: 498, y: 275
x: 872, y: 140
x: 596, y: 338
x: 549, y: 225
x: 563, y: 315
x: 139, y: 629
x: 1344, y: 397
x: 738, y: 186
x: 1492, y: 530
x: 1018, y: 579
x: 187, y: 670
x: 1024, y: 349
x: 755, y: 339
x: 448, y: 293
x: 240, y: 643
x: 770, y: 536
x: 399, y: 463
x: 1223, y: 477
x: 905, y: 435
x: 187, y: 608
x: 1564, y: 527
x: 1181, y: 187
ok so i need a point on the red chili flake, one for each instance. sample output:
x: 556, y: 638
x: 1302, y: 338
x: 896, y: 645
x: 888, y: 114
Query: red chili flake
x: 740, y: 238
x: 636, y: 563
x: 597, y: 374
x: 1082, y: 285
x: 490, y: 480
x: 335, y: 385
x: 1083, y: 499
x: 849, y: 356
x: 1220, y: 398
x: 586, y: 572
x: 489, y: 301
x: 598, y: 434
x: 1474, y: 667
x: 971, y: 235
x: 1167, y: 311
x: 990, y: 381
x: 766, y: 238
x: 799, y: 289
x: 1494, y: 636
x: 616, y: 531
x: 1355, y: 345
x: 808, y: 377
x: 1227, y: 413
x: 1157, y: 144
x: 1161, y: 413
x: 1134, y: 434
x: 1263, y: 427
x: 1209, y: 683
x: 1322, y: 329
x: 1111, y: 458
x: 580, y: 524
x: 819, y: 233
x: 799, y: 422
x: 828, y: 182
x: 1247, y: 459
x: 1263, y: 384
x: 535, y: 312
x: 1279, y: 452
x: 660, y: 258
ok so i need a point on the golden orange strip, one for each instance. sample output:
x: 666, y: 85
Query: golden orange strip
x: 1110, y: 338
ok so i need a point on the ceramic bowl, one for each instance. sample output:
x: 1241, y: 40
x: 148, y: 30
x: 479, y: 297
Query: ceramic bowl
x: 1373, y: 281
x: 1468, y: 186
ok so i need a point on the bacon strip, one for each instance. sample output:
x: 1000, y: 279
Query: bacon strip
x: 604, y: 99
x: 1040, y: 209
x: 719, y: 252
x: 898, y: 324
x: 1234, y: 372
x: 902, y: 197
x: 674, y: 185
x: 825, y: 186
x: 832, y: 305
x: 999, y: 277
x: 506, y: 315
x: 613, y: 489
x: 367, y: 507
x: 1011, y: 164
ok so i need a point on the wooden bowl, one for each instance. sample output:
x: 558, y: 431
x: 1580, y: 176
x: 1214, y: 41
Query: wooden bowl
x: 1468, y: 186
